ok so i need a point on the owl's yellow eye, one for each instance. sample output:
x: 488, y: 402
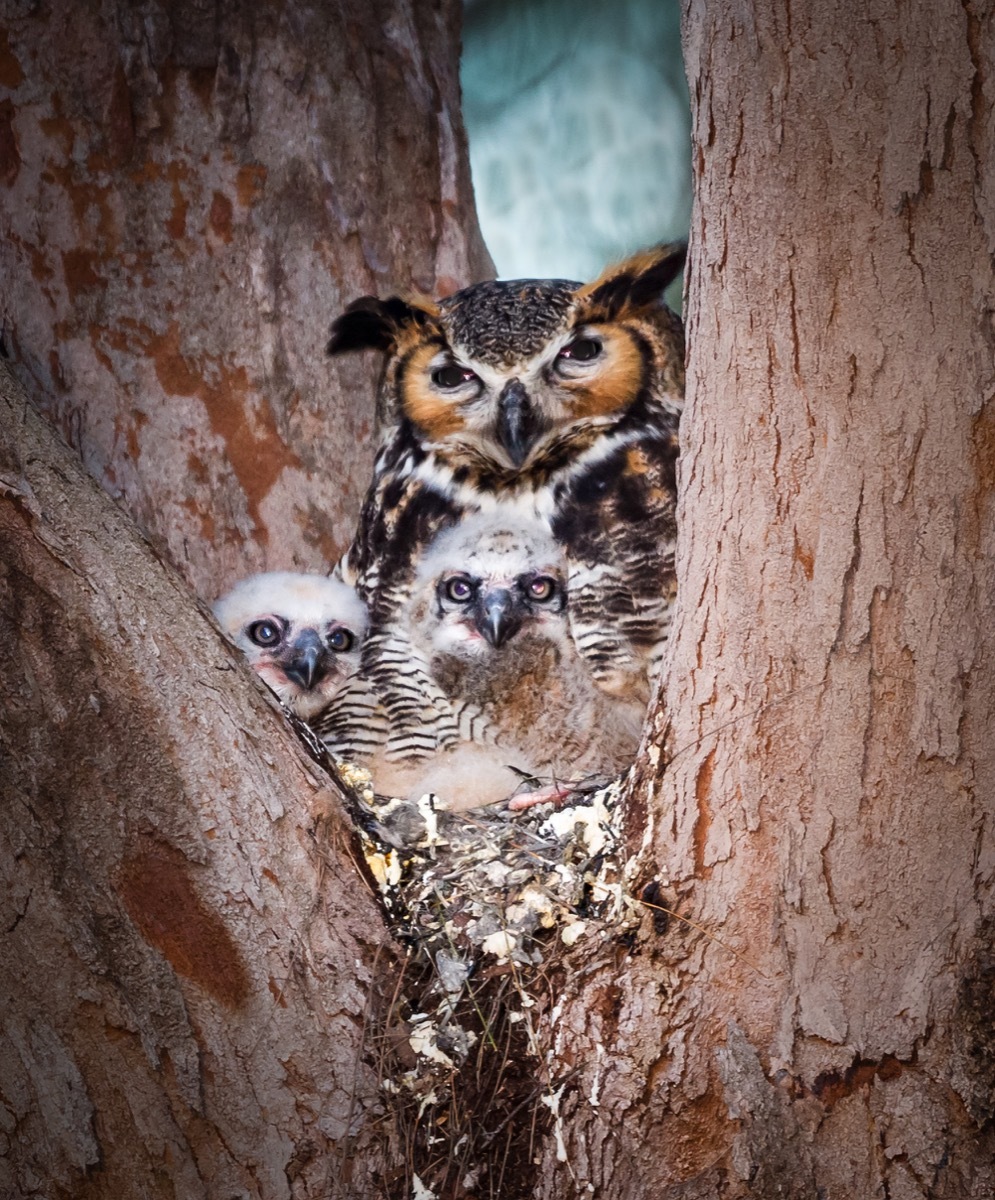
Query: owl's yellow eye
x: 341, y: 640
x: 452, y: 376
x: 582, y: 349
x: 264, y: 633
x: 542, y: 588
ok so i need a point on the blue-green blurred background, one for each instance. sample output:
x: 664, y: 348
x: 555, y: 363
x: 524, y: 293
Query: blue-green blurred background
x: 577, y: 116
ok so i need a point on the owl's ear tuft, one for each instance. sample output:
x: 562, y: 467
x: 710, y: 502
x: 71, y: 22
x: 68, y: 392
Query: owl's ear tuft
x: 633, y: 285
x: 373, y: 324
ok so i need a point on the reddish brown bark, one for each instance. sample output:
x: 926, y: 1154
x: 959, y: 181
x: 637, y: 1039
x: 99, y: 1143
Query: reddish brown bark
x: 822, y: 782
x: 190, y: 956
x: 190, y: 194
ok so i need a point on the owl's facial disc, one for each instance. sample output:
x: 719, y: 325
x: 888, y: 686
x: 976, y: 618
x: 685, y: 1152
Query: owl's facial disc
x: 440, y: 393
x: 507, y: 410
x: 484, y: 609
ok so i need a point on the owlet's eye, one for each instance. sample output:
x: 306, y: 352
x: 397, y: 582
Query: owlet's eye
x: 458, y: 589
x: 452, y: 376
x: 582, y: 349
x: 341, y: 640
x: 264, y: 633
x: 542, y: 588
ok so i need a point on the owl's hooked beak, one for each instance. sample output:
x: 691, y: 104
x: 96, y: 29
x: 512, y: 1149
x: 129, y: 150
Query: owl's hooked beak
x: 306, y: 658
x: 497, y: 616
x: 517, y: 426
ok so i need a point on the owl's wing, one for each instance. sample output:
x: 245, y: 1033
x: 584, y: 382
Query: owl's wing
x: 359, y: 566
x: 617, y: 522
x: 354, y: 726
x: 420, y: 718
x: 401, y: 516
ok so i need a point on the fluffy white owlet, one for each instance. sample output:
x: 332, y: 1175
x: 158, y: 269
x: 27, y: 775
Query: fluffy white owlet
x: 547, y: 399
x: 486, y: 620
x: 301, y: 633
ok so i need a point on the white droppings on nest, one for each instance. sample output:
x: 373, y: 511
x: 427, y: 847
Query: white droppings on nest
x: 590, y: 825
x: 501, y: 944
x: 533, y: 899
x: 386, y: 868
x: 492, y: 901
x: 428, y: 811
x: 426, y: 1036
x: 496, y: 873
x: 488, y: 882
x: 552, y: 1102
x: 420, y: 1192
x: 572, y: 931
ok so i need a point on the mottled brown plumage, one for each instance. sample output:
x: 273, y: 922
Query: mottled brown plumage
x: 486, y: 621
x: 549, y: 399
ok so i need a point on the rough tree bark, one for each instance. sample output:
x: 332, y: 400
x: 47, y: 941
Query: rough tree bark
x: 187, y: 957
x: 191, y: 192
x: 821, y: 786
x: 816, y: 799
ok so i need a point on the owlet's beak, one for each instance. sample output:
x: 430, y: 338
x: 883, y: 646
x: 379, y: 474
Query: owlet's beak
x: 497, y: 616
x: 305, y: 661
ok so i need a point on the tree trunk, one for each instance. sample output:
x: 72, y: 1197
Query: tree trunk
x: 188, y: 948
x: 820, y: 788
x: 192, y: 961
x: 192, y: 192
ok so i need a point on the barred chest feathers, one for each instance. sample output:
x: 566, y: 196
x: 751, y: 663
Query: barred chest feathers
x: 545, y: 399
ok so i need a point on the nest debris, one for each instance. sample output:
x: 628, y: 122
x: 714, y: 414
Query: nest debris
x: 487, y: 903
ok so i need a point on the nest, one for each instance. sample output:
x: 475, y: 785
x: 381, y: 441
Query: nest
x: 487, y: 903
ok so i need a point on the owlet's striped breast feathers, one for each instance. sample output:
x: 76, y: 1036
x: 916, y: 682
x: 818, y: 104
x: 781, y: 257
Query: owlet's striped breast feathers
x: 552, y: 399
x: 486, y: 618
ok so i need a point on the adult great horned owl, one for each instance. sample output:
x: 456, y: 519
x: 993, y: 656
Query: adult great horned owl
x: 300, y: 633
x: 554, y: 399
x: 486, y: 619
